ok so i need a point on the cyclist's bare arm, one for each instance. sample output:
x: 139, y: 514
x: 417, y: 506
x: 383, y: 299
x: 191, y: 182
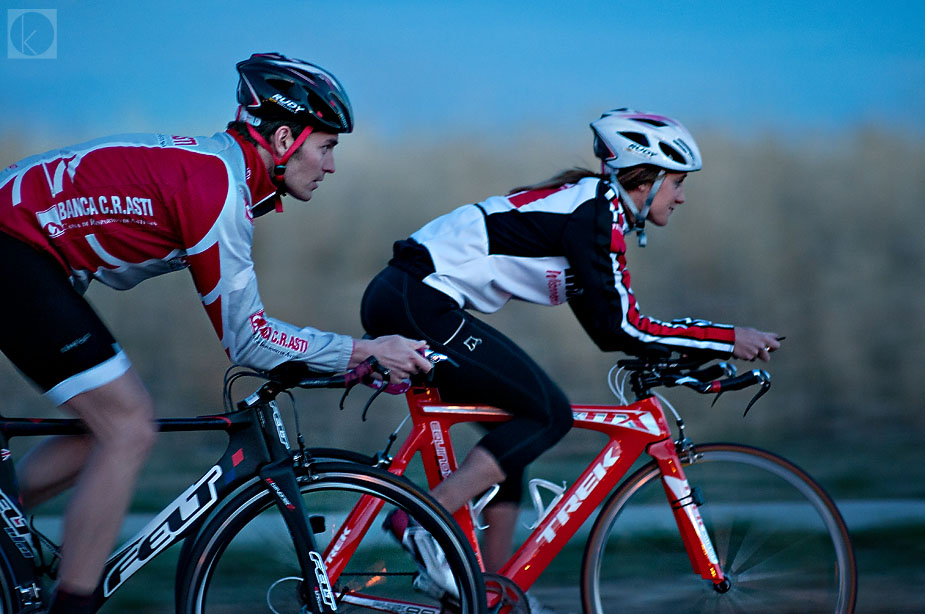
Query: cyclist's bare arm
x: 751, y: 344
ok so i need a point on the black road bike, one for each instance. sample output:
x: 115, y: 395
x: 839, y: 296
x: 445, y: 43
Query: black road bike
x: 257, y: 526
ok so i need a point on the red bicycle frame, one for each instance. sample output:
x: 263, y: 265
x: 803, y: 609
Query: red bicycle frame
x: 631, y: 431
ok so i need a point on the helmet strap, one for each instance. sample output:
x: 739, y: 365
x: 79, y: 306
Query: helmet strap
x: 639, y: 215
x: 278, y: 171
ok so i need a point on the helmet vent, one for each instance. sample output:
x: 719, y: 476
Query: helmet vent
x: 651, y: 122
x: 637, y: 137
x: 672, y: 153
x: 282, y: 85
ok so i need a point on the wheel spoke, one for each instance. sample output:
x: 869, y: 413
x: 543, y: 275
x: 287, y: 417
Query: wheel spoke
x: 246, y: 562
x: 779, y: 540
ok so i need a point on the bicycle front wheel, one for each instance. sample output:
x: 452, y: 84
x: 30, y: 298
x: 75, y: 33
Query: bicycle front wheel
x: 7, y: 587
x: 779, y: 538
x: 244, y: 560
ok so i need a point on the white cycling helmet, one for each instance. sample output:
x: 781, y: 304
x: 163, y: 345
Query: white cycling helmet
x: 624, y: 138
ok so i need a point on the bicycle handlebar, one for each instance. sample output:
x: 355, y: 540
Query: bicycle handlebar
x: 298, y: 375
x: 655, y: 365
x: 660, y: 365
x: 756, y: 376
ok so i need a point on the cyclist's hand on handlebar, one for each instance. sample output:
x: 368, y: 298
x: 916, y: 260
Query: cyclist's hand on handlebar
x: 751, y: 344
x: 400, y: 355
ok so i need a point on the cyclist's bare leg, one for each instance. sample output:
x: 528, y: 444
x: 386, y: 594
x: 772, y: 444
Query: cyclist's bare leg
x: 496, y: 541
x: 51, y: 467
x: 120, y: 417
x: 477, y: 472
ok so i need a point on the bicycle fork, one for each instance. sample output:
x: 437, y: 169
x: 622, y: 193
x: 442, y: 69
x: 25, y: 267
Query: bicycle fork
x: 684, y: 506
x: 280, y: 478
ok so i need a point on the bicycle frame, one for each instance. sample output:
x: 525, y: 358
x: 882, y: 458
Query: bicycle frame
x: 257, y: 449
x: 631, y: 431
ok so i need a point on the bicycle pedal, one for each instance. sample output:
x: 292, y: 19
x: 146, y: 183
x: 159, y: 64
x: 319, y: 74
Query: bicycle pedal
x: 29, y: 597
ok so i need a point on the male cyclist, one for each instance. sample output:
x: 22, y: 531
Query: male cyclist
x: 126, y: 208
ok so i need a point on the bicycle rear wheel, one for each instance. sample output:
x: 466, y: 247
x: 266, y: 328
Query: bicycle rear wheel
x: 779, y: 537
x: 244, y: 559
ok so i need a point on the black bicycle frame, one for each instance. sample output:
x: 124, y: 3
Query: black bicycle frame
x: 258, y: 448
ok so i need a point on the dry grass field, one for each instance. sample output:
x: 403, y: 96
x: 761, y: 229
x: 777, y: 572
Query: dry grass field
x: 818, y: 238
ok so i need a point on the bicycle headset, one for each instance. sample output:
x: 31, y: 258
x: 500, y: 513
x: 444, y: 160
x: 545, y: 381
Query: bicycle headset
x: 273, y: 87
x: 624, y: 138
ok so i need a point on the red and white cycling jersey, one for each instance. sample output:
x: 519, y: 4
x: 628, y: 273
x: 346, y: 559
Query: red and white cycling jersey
x: 126, y: 208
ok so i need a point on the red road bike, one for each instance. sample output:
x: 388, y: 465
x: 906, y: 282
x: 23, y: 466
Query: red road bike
x: 717, y: 527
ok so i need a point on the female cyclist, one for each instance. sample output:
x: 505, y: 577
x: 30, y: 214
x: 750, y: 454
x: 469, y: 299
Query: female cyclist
x: 559, y: 241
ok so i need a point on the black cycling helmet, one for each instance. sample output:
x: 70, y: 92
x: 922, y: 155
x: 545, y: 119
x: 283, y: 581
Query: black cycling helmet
x: 276, y: 88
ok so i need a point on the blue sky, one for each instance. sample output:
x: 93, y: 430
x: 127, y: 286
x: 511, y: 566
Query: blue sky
x: 489, y: 67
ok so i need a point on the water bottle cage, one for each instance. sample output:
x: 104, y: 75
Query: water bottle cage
x: 477, y: 507
x: 543, y: 510
x: 535, y: 496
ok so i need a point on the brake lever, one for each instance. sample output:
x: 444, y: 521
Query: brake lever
x: 363, y: 372
x: 369, y: 402
x: 343, y: 398
x: 765, y: 386
x: 360, y: 373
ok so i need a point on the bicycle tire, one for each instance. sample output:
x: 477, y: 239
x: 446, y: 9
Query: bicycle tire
x: 339, y: 454
x: 8, y: 594
x: 226, y: 573
x: 779, y: 538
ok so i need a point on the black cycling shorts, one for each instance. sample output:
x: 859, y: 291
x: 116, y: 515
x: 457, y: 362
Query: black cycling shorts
x: 49, y: 331
x: 490, y: 369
